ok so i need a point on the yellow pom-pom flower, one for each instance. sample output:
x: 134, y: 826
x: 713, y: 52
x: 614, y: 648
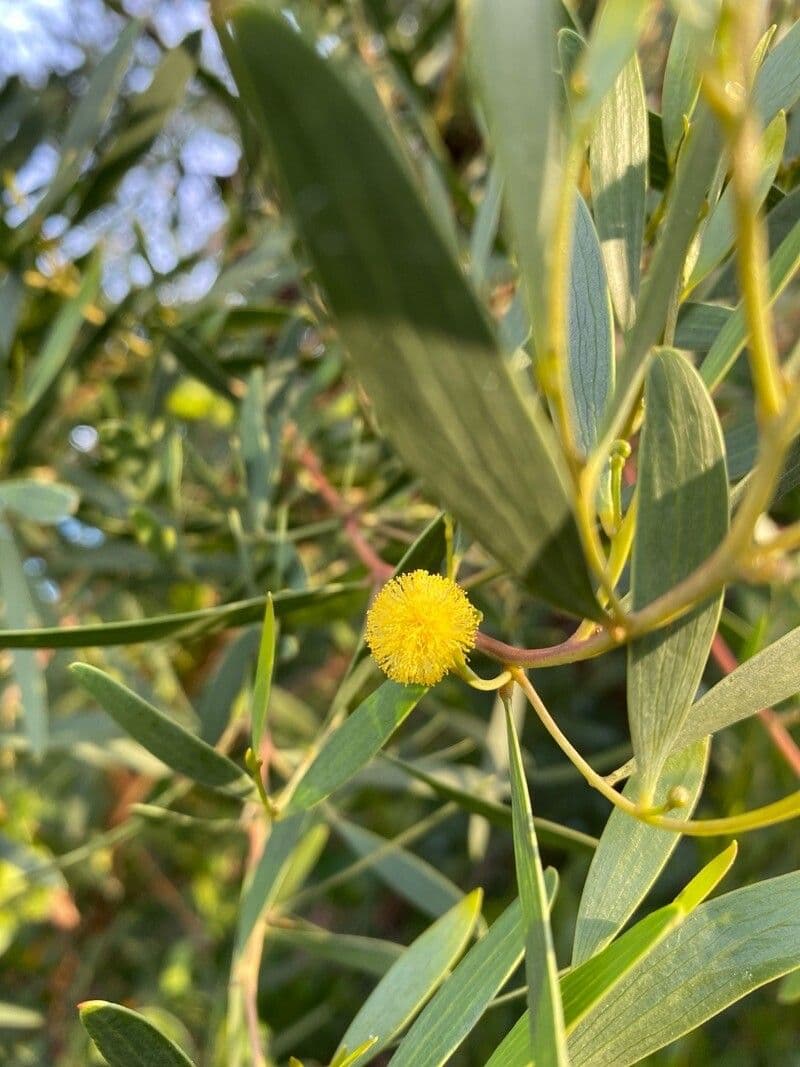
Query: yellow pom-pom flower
x: 419, y: 627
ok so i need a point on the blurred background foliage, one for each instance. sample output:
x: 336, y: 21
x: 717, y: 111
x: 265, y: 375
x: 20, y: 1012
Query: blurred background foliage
x: 170, y: 377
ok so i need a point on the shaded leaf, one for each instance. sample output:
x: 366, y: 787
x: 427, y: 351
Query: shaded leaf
x: 418, y: 338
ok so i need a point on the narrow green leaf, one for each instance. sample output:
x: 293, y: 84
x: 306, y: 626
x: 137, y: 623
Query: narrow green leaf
x: 418, y: 338
x: 697, y: 165
x: 512, y: 47
x: 43, y: 502
x: 552, y: 834
x: 370, y: 955
x: 307, y: 607
x: 783, y: 265
x: 198, y: 361
x: 687, y: 50
x: 127, y: 1039
x: 699, y: 325
x: 160, y: 735
x: 459, y: 1005
x: 631, y: 855
x: 146, y: 114
x: 683, y: 516
x: 15, y: 1017
x: 545, y: 1011
x: 767, y: 678
x: 618, y: 154
x: 355, y: 742
x: 264, y: 669
x: 266, y: 881
x: 484, y: 230
x: 12, y: 298
x: 726, y: 948
x: 61, y: 337
x: 584, y: 987
x: 719, y: 231
x: 777, y: 86
x: 405, y: 874
x: 89, y: 118
x: 20, y: 612
x: 591, y: 336
x: 413, y: 979
x: 707, y: 880
x: 615, y: 32
x: 216, y: 701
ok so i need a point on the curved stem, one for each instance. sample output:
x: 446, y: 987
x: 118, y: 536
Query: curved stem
x: 769, y: 815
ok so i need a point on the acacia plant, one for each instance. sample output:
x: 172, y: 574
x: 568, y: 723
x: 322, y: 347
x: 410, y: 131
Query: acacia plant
x: 587, y: 376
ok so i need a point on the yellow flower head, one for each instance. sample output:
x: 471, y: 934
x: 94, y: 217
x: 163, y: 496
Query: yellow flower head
x: 419, y: 627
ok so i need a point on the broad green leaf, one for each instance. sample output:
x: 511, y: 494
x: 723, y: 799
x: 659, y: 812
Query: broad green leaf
x: 460, y: 1003
x: 631, y: 855
x: 368, y: 954
x: 682, y: 518
x: 719, y: 232
x: 160, y: 735
x: 618, y: 154
x: 552, y: 834
x: 725, y: 949
x: 699, y: 325
x: 405, y: 874
x: 783, y: 265
x: 355, y: 742
x: 263, y: 680
x: 545, y: 1011
x: 418, y: 338
x: 591, y: 336
x: 19, y: 611
x: 681, y: 84
x: 413, y: 979
x: 697, y: 164
x: 767, y: 678
x: 615, y: 32
x: 44, y: 502
x: 127, y: 1039
x: 61, y: 336
x: 512, y: 47
x: 304, y: 608
x: 266, y: 881
x: 88, y: 120
x: 777, y: 86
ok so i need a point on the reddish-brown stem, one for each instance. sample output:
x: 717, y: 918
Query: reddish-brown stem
x: 569, y: 651
x: 781, y: 738
x: 378, y: 568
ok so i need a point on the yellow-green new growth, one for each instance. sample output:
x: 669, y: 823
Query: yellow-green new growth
x: 419, y: 627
